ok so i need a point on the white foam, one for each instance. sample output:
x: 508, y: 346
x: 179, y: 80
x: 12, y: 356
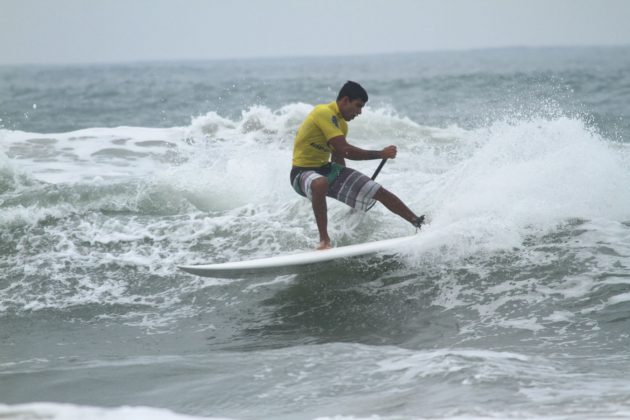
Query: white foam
x: 410, y: 365
x: 560, y: 316
x: 525, y: 177
x: 620, y: 298
x: 54, y: 411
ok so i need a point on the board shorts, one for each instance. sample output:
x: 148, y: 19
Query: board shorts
x: 344, y: 184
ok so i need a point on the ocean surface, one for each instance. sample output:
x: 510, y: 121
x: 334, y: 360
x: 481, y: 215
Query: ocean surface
x: 513, y: 302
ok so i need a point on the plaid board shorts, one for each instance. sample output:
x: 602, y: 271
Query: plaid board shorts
x: 344, y: 184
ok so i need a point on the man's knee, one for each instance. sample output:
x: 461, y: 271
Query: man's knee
x: 381, y: 194
x: 319, y: 187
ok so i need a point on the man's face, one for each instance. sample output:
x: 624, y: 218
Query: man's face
x: 350, y: 108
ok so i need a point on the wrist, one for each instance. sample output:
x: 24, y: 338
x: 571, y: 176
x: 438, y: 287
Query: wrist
x: 374, y: 154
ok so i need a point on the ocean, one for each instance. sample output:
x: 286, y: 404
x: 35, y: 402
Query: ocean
x: 512, y: 302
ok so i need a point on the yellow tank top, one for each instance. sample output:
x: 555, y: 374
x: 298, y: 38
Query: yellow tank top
x: 310, y: 148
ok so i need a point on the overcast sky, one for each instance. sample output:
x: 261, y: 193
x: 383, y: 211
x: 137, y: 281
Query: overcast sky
x: 86, y: 31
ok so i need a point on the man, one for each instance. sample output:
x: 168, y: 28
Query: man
x: 322, y: 136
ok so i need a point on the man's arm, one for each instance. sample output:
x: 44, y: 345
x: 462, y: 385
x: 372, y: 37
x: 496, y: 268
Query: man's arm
x: 342, y: 149
x: 337, y: 158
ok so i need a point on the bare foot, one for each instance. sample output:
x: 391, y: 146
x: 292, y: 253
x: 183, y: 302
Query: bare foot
x: 324, y: 245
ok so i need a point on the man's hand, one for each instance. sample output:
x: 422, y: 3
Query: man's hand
x: 389, y: 152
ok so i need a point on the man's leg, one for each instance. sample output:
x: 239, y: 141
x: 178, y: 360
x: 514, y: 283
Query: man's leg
x: 319, y: 189
x: 395, y: 205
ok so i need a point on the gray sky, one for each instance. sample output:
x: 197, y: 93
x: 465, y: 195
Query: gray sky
x: 86, y: 31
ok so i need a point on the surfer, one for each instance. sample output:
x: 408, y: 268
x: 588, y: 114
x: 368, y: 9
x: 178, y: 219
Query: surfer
x: 319, y: 167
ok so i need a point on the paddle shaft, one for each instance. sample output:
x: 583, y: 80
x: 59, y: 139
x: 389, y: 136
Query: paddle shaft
x: 380, y: 166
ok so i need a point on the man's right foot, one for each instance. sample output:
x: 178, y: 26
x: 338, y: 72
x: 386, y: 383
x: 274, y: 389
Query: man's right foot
x: 418, y: 222
x: 324, y: 245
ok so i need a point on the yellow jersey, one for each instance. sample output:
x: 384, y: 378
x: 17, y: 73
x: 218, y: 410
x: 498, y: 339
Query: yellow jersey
x: 311, y: 148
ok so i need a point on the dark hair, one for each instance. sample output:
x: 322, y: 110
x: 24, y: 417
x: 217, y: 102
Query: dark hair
x: 353, y: 91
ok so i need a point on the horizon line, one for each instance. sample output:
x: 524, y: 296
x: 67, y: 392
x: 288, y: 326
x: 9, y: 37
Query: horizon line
x: 310, y: 56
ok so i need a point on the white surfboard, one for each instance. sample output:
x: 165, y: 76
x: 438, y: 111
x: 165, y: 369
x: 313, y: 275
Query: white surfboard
x: 294, y: 263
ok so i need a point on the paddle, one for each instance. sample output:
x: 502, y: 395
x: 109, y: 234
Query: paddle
x: 380, y: 166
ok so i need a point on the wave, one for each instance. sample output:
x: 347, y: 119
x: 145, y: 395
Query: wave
x: 507, y: 177
x: 347, y: 381
x: 132, y: 203
x: 55, y: 411
x: 527, y: 177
